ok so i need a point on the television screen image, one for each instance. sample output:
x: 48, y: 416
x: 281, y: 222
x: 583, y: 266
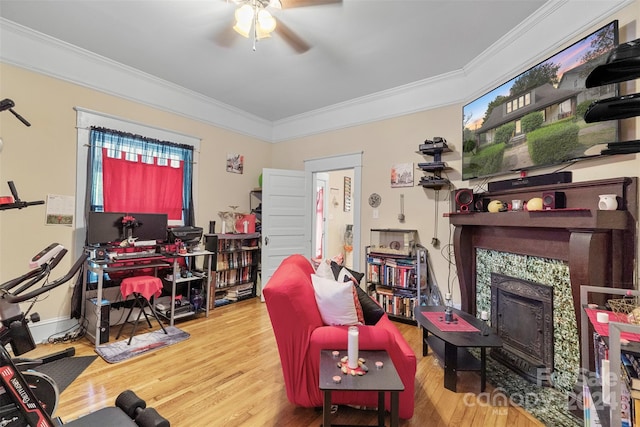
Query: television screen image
x: 536, y: 119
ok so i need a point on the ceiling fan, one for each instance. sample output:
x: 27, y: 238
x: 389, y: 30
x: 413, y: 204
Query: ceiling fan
x: 253, y: 19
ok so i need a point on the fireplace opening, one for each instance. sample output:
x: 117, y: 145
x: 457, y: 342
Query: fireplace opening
x: 522, y: 315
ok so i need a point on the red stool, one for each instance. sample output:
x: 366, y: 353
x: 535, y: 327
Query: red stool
x: 142, y: 288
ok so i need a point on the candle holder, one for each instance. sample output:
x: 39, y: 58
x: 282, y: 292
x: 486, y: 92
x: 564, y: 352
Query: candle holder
x: 448, y: 310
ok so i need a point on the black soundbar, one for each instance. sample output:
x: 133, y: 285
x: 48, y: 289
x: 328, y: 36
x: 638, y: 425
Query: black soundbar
x: 531, y: 181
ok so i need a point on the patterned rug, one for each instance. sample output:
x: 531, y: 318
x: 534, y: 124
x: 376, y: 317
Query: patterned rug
x: 141, y: 344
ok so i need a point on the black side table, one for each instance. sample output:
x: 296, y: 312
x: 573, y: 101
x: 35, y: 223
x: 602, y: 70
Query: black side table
x: 385, y: 379
x: 451, y: 347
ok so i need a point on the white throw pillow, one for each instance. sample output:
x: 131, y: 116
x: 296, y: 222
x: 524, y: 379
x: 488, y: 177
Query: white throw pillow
x: 335, y: 301
x: 324, y: 270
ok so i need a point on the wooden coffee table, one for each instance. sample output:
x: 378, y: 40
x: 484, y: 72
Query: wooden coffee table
x: 451, y: 347
x: 385, y: 379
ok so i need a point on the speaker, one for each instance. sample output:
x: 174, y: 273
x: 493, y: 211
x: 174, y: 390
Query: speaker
x: 90, y: 314
x: 481, y: 204
x: 464, y: 200
x: 553, y: 200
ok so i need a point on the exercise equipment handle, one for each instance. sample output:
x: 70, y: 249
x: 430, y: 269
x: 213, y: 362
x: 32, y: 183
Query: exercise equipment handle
x: 37, y: 274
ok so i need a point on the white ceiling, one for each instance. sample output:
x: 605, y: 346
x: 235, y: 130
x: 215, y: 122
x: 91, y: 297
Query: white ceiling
x: 359, y: 47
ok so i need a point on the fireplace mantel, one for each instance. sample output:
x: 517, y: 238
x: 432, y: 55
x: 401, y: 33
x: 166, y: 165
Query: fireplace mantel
x: 599, y: 246
x: 577, y: 219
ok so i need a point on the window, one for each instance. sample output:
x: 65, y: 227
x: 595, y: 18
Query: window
x: 130, y: 173
x: 519, y: 102
x: 85, y: 120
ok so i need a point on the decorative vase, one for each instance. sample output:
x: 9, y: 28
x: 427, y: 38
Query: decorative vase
x: 607, y: 202
x: 495, y: 206
x: 196, y: 299
x: 535, y: 204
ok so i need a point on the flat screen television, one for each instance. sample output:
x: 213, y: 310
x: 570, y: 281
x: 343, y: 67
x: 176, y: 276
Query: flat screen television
x: 104, y: 228
x: 536, y: 119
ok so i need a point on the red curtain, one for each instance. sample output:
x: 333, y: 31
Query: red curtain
x: 130, y: 186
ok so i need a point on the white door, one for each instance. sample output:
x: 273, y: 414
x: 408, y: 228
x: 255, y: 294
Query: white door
x: 284, y: 211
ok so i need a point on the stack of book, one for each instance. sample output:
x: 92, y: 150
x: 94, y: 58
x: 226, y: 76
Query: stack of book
x: 240, y: 292
x: 630, y: 376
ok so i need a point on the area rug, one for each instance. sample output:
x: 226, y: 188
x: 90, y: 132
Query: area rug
x: 140, y: 344
x: 65, y: 371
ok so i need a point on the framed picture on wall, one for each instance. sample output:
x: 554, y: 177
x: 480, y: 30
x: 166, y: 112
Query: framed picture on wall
x: 402, y: 175
x: 235, y: 163
x: 347, y: 193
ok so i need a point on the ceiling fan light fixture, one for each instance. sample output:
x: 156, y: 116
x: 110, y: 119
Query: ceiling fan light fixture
x: 244, y: 19
x: 266, y: 22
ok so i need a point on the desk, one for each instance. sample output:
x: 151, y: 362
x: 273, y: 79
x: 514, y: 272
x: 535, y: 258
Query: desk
x: 451, y: 347
x: 381, y: 380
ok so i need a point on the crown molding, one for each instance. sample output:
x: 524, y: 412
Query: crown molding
x: 527, y: 44
x: 555, y: 24
x: 37, y: 52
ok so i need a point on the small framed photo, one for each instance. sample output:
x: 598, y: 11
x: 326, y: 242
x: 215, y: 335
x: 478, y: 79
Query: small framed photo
x: 347, y: 194
x: 402, y: 175
x: 235, y: 163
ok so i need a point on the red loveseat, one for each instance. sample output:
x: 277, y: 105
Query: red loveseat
x: 301, y: 334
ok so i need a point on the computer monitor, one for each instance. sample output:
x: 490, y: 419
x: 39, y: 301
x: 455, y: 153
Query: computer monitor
x: 104, y: 228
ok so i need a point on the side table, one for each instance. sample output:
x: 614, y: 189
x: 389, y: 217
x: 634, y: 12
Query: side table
x: 382, y: 380
x: 451, y: 346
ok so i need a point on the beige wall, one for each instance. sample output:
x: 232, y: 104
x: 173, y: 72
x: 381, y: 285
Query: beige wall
x: 392, y: 141
x: 41, y: 160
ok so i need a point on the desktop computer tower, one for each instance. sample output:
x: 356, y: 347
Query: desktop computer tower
x: 91, y: 312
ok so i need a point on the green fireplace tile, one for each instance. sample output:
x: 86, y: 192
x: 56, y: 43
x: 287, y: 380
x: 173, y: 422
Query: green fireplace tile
x: 550, y: 272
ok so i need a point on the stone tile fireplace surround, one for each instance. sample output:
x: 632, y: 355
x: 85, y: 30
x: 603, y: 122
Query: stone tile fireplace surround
x: 562, y: 249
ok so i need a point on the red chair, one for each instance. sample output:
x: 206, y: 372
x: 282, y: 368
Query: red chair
x: 300, y: 335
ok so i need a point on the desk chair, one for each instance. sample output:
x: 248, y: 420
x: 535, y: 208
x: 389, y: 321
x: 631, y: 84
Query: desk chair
x: 142, y: 288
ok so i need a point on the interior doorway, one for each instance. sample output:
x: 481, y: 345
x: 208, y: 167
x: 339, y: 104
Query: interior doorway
x: 334, y: 219
x: 333, y: 225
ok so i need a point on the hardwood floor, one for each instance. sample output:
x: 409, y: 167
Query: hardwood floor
x: 228, y: 374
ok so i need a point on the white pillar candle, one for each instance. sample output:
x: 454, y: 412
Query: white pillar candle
x: 352, y: 347
x: 224, y: 227
x: 484, y: 315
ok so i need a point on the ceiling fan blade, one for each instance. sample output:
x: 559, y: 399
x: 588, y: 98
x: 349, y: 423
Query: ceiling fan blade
x: 294, y: 40
x: 286, y: 4
x: 226, y: 37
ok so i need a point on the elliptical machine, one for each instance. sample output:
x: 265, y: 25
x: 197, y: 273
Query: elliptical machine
x: 31, y: 398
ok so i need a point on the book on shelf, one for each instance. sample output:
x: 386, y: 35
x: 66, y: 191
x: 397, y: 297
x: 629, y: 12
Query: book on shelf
x: 590, y: 417
x: 633, y: 368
